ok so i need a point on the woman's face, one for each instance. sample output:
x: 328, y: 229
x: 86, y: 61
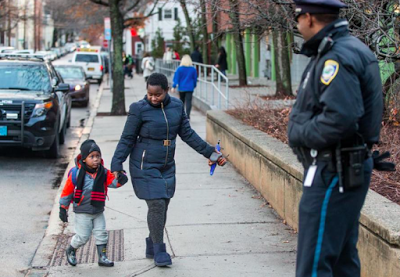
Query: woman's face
x: 155, y: 94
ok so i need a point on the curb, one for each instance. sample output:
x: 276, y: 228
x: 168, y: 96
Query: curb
x: 44, y: 254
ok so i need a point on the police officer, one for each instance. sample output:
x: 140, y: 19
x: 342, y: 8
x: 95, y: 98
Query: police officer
x: 333, y: 124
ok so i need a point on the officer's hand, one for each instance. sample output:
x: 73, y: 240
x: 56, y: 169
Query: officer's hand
x: 380, y: 164
x: 63, y: 215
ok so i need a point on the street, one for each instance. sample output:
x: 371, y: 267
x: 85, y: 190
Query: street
x: 29, y: 183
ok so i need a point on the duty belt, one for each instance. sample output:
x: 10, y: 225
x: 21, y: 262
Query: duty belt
x: 157, y: 141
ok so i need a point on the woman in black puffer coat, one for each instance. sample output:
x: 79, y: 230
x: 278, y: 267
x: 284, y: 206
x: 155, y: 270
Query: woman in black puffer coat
x: 149, y: 137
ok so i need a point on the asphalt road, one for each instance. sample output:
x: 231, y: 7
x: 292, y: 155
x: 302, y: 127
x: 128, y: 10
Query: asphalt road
x: 29, y: 183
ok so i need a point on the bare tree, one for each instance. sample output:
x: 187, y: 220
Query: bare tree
x: 189, y: 25
x: 234, y: 15
x: 123, y: 13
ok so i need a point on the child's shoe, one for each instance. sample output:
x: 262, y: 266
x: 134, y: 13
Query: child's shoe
x: 71, y: 255
x: 149, y: 248
x: 103, y: 260
x: 161, y: 257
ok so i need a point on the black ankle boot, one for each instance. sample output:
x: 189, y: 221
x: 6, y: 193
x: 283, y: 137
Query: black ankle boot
x: 71, y: 255
x: 103, y: 260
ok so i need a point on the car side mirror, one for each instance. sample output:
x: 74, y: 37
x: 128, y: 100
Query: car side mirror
x: 63, y: 87
x: 54, y: 81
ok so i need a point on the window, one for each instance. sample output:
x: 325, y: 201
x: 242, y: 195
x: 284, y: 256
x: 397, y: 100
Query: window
x: 87, y: 58
x: 70, y: 72
x: 167, y: 14
x: 25, y: 77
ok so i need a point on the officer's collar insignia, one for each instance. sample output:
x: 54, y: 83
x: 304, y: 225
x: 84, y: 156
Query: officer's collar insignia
x: 331, y: 69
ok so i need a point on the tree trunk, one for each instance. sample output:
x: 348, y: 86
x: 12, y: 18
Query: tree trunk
x: 204, y: 30
x: 234, y: 16
x: 117, y: 29
x: 216, y: 42
x: 282, y: 63
x: 55, y: 37
x: 189, y: 25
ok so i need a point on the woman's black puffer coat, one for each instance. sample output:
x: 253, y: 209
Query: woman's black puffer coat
x: 149, y: 138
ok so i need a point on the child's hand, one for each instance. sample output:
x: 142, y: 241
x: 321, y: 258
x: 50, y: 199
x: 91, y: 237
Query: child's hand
x: 122, y: 178
x: 63, y: 215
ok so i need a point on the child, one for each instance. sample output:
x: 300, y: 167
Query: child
x: 86, y: 187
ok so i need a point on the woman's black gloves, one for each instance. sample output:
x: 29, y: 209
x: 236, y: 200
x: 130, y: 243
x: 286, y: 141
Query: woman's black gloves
x: 122, y: 178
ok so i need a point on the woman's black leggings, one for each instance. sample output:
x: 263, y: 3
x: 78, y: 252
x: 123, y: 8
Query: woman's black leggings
x: 156, y: 218
x: 186, y: 98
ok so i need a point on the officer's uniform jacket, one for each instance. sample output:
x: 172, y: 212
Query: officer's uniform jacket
x: 340, y: 93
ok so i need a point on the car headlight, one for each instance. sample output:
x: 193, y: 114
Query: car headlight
x: 42, y: 108
x: 78, y: 87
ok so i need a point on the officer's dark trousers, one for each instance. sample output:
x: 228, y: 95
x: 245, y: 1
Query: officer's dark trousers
x: 328, y: 226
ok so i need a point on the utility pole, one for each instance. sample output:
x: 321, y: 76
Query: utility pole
x: 9, y: 22
x: 35, y: 24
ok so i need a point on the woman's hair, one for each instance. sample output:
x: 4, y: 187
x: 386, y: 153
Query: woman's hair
x: 146, y: 54
x: 158, y: 79
x: 186, y: 61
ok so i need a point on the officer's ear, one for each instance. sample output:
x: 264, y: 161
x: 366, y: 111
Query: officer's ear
x: 310, y: 20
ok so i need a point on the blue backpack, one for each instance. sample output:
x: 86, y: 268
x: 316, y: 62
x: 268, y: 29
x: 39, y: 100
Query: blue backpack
x: 73, y: 171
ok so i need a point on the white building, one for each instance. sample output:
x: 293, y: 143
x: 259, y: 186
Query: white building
x: 166, y: 20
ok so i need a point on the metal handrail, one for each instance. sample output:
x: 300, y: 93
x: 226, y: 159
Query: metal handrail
x: 208, y: 77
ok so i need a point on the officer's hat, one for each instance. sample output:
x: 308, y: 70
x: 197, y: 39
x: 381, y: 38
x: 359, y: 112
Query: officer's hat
x: 318, y: 7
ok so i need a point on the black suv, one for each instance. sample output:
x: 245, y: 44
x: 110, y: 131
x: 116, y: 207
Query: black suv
x: 35, y: 107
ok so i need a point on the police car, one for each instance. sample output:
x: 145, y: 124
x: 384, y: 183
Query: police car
x: 91, y: 61
x: 35, y: 105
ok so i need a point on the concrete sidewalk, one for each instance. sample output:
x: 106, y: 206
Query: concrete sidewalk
x: 217, y: 226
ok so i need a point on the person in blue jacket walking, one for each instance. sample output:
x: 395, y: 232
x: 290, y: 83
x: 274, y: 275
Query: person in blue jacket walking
x: 185, y: 79
x: 149, y: 138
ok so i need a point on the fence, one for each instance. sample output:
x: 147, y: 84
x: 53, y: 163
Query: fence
x: 212, y: 86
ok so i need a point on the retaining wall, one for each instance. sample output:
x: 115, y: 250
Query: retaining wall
x: 271, y: 167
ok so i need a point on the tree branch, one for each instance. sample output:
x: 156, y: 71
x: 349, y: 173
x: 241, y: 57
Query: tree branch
x: 100, y: 2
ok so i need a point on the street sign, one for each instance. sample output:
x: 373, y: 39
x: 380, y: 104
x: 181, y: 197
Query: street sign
x: 105, y: 43
x: 107, y: 28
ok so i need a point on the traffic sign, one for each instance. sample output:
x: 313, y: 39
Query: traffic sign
x: 105, y: 43
x: 107, y: 28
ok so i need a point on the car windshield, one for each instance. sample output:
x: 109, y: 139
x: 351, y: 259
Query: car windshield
x: 87, y: 58
x: 24, y: 77
x: 70, y: 72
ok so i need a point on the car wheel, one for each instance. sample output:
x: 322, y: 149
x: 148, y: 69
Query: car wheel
x: 99, y: 81
x: 63, y: 133
x: 54, y: 150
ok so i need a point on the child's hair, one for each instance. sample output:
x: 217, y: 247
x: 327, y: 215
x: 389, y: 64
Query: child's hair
x: 158, y: 79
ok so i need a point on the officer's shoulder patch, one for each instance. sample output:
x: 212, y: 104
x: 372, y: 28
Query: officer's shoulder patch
x: 331, y: 69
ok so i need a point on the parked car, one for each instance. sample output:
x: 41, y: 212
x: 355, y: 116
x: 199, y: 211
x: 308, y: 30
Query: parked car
x: 106, y: 62
x: 70, y: 46
x: 91, y: 61
x: 25, y: 51
x: 35, y: 105
x: 79, y: 86
x: 6, y: 49
x: 56, y: 51
x: 44, y: 54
